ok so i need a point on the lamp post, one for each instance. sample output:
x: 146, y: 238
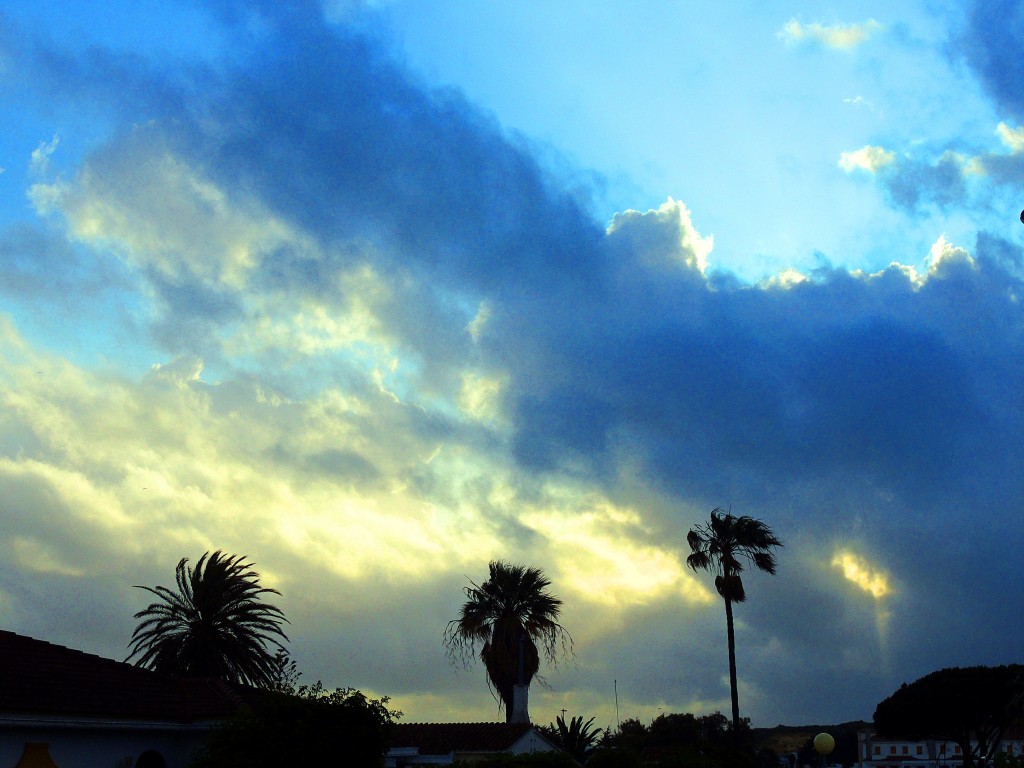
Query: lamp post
x: 823, y: 745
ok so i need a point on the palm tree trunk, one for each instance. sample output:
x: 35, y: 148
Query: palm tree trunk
x: 733, y: 688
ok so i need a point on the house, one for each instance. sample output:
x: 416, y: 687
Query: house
x: 65, y: 708
x: 876, y: 752
x: 447, y: 743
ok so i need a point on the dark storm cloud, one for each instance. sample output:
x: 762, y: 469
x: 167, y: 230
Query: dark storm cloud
x: 1005, y: 170
x: 342, y: 142
x: 913, y: 185
x: 843, y: 374
x: 992, y: 46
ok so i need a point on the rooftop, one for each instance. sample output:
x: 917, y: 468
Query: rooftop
x: 46, y: 680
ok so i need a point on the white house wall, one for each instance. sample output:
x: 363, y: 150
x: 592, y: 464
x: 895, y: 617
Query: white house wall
x: 107, y: 745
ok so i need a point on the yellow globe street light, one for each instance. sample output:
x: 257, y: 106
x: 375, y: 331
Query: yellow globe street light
x: 823, y: 745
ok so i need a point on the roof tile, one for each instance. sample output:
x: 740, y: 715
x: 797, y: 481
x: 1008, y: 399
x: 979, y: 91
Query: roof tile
x: 445, y: 738
x: 40, y: 678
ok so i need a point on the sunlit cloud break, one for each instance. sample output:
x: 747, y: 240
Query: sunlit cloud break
x: 843, y: 37
x: 862, y: 573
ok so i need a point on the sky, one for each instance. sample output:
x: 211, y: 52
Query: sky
x: 374, y: 293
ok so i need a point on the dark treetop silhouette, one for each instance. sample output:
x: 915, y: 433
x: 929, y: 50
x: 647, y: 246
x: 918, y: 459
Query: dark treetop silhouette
x: 722, y: 545
x: 509, y: 615
x: 970, y: 706
x: 215, y: 625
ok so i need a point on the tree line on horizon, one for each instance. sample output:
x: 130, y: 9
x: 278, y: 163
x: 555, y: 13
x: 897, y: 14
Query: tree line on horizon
x: 217, y: 623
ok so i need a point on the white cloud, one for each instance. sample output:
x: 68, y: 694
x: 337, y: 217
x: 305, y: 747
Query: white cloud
x: 943, y: 254
x: 839, y: 36
x: 1013, y: 138
x: 183, y: 370
x: 344, y: 481
x: 868, y: 158
x: 157, y: 211
x: 784, y: 280
x: 859, y: 102
x: 480, y: 396
x: 662, y: 237
x: 40, y: 160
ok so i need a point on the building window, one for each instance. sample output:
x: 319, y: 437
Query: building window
x: 892, y: 750
x: 920, y: 749
x: 878, y: 750
x: 956, y: 749
x: 906, y: 750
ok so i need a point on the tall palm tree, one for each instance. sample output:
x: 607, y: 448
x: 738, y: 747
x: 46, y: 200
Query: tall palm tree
x: 722, y: 545
x: 513, y: 618
x: 215, y: 625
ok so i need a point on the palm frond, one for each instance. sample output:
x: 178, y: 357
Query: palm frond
x: 510, y: 617
x: 216, y: 624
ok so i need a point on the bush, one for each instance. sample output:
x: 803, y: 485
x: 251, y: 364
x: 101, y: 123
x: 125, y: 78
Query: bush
x: 313, y: 727
x: 614, y: 758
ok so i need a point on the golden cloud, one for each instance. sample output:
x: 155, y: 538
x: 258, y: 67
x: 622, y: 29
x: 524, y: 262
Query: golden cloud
x: 859, y: 571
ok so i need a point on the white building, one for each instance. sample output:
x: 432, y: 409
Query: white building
x: 448, y: 743
x: 876, y: 752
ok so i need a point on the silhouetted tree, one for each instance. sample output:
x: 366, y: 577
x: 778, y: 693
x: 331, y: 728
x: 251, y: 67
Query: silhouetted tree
x: 676, y: 739
x: 684, y: 729
x: 722, y: 545
x: 285, y: 677
x: 970, y: 706
x: 577, y: 738
x: 513, y: 618
x: 215, y: 625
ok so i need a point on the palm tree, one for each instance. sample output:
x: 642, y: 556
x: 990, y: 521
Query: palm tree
x: 514, y: 619
x: 215, y: 625
x: 722, y: 545
x: 577, y: 738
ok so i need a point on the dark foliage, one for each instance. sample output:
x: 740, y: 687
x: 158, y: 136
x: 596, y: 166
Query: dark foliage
x: 313, y: 727
x: 285, y: 676
x: 674, y: 729
x: 215, y: 625
x: 575, y: 737
x: 677, y: 739
x: 963, y: 705
x: 615, y: 757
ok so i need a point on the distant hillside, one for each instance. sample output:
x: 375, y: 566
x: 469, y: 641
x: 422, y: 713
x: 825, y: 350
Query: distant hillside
x: 784, y: 739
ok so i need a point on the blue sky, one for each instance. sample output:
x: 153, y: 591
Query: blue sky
x: 377, y: 292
